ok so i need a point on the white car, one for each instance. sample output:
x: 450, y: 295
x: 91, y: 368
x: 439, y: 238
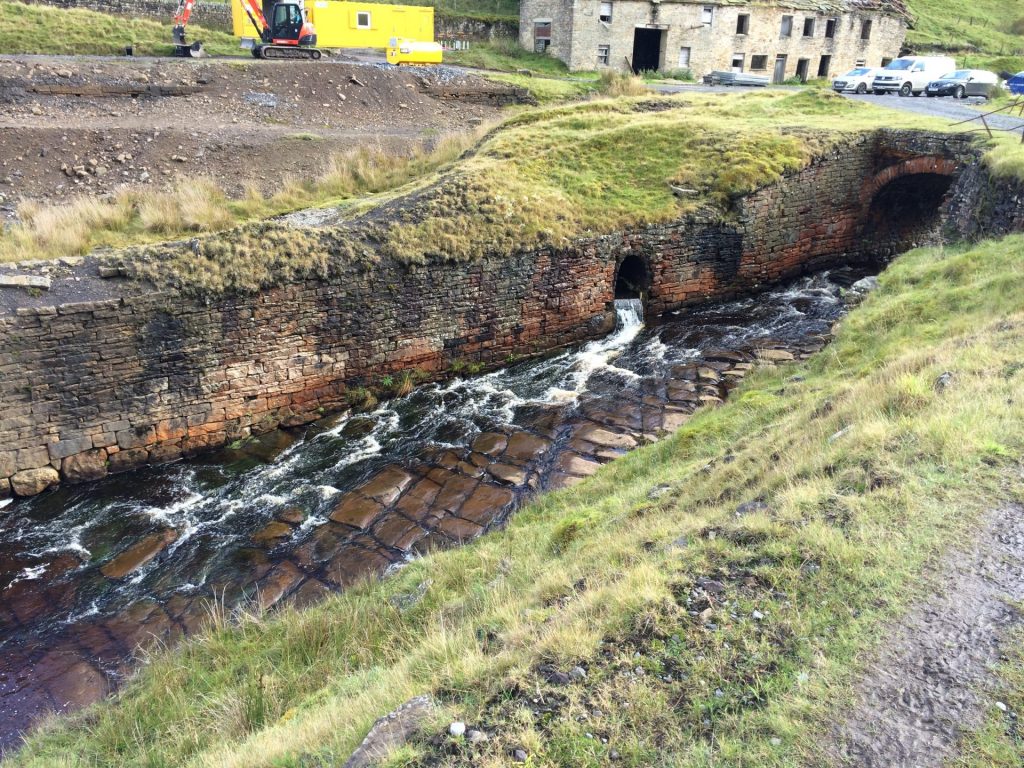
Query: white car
x: 856, y: 80
x: 911, y: 74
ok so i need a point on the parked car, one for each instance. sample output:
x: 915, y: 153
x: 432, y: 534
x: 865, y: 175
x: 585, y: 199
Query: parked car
x: 1016, y: 84
x: 856, y: 80
x: 963, y: 83
x: 911, y: 74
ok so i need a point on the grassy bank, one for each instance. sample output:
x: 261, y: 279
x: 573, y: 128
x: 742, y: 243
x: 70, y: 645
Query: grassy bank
x: 554, y: 174
x: 43, y: 29
x: 968, y: 25
x: 631, y: 157
x: 505, y: 55
x: 865, y: 471
x: 137, y: 215
x: 544, y: 177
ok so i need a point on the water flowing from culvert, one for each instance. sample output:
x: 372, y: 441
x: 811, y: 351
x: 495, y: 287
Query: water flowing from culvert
x: 255, y: 520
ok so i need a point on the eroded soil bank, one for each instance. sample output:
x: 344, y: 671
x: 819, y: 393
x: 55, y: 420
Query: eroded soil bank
x: 88, y: 125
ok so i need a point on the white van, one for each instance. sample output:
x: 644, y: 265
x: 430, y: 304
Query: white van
x: 911, y: 74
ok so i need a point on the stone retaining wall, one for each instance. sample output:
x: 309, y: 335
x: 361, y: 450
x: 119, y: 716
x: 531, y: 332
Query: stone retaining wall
x: 448, y: 26
x: 207, y: 15
x: 983, y: 206
x: 103, y: 386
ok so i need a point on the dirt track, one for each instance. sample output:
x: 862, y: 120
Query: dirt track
x: 931, y: 682
x: 250, y: 122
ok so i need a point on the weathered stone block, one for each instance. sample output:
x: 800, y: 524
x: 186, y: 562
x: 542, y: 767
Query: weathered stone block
x: 30, y: 482
x: 64, y: 448
x: 8, y: 463
x: 85, y: 466
x: 31, y: 458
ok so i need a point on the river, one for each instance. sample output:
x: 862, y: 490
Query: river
x: 89, y: 573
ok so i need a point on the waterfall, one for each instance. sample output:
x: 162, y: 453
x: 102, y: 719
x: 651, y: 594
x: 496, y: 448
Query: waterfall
x: 629, y: 313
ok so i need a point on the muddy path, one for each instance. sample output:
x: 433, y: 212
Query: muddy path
x: 932, y: 682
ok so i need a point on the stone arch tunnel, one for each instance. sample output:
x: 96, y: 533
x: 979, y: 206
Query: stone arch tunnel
x: 902, y: 203
x: 632, y: 278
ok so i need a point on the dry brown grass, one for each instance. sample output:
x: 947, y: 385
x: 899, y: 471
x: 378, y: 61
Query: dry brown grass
x: 622, y: 84
x: 196, y: 205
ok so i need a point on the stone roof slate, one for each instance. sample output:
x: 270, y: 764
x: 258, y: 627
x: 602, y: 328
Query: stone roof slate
x: 895, y: 7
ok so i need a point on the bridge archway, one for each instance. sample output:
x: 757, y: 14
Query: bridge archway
x: 903, y: 202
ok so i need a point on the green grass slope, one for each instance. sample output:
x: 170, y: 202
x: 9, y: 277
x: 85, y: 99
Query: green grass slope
x: 867, y: 471
x: 968, y: 25
x: 43, y: 29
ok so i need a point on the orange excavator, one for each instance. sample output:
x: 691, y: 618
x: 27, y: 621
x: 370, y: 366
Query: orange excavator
x: 290, y: 35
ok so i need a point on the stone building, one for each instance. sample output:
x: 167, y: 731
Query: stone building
x: 790, y: 38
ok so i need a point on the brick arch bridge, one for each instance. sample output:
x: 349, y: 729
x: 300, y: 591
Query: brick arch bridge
x: 875, y: 197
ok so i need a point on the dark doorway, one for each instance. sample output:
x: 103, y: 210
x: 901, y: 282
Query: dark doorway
x: 801, y: 69
x: 646, y: 50
x: 780, y: 69
x: 632, y: 280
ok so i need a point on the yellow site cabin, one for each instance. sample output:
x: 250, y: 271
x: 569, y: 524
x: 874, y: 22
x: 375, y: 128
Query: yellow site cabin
x: 346, y: 24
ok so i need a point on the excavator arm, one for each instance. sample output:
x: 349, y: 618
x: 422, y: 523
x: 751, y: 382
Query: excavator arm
x: 181, y: 17
x: 255, y: 13
x: 184, y: 13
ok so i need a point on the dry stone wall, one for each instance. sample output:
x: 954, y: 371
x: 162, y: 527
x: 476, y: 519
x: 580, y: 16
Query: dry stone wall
x: 217, y: 15
x: 103, y: 386
x: 208, y: 15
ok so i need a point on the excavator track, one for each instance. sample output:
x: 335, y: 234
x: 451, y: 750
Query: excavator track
x: 286, y: 52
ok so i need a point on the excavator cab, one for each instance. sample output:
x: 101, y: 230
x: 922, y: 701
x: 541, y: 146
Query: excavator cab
x: 287, y: 34
x: 286, y: 22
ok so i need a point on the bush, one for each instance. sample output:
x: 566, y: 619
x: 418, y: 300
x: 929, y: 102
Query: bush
x: 686, y: 75
x: 1017, y: 27
x: 622, y: 84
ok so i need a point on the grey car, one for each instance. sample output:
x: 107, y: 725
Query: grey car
x: 963, y: 83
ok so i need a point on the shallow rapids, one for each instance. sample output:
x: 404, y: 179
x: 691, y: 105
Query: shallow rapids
x: 88, y: 573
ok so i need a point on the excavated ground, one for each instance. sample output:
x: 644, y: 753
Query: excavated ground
x: 246, y: 123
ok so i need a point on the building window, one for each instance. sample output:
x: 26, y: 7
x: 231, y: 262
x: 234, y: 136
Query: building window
x: 541, y: 36
x: 865, y: 29
x: 787, y: 26
x: 809, y: 26
x: 830, y: 27
x: 605, y: 14
x: 886, y: 61
x: 737, y: 61
x: 604, y: 53
x: 684, y: 58
x: 743, y: 24
x: 823, y: 66
x: 707, y: 15
x: 759, y: 62
x: 860, y: 63
x: 363, y: 20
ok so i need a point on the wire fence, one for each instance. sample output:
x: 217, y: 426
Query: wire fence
x: 1014, y: 107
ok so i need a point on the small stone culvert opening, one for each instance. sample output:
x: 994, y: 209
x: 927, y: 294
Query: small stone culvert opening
x: 632, y: 280
x: 908, y: 208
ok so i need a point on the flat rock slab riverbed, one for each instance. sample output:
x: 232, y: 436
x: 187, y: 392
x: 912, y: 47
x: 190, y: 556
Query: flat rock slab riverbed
x: 89, y: 574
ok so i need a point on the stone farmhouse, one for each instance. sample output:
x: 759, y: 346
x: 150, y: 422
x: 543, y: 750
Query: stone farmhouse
x: 785, y: 39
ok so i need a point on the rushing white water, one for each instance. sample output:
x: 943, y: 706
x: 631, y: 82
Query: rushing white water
x: 217, y: 502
